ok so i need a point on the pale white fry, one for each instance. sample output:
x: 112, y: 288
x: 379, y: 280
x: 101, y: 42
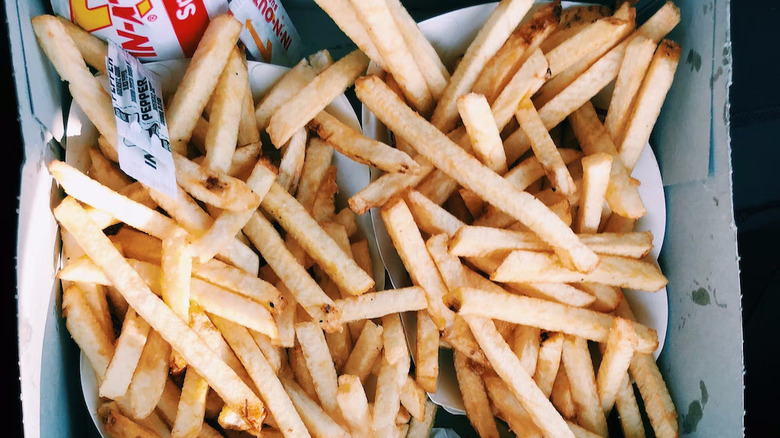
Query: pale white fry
x: 150, y: 376
x: 129, y: 347
x: 320, y: 364
x: 582, y: 382
x: 596, y: 170
x: 377, y: 304
x: 284, y: 89
x: 226, y: 113
x: 291, y: 166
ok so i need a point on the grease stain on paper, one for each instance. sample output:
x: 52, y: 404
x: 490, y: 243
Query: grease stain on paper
x: 695, y: 412
x: 701, y: 296
x: 694, y: 60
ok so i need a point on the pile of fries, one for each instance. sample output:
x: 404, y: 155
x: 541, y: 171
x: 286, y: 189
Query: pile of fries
x: 245, y: 305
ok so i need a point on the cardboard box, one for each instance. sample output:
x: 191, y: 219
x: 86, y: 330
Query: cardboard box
x: 702, y: 357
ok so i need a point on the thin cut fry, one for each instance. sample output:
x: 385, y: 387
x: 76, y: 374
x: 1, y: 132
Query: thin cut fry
x: 398, y: 59
x: 486, y: 141
x: 248, y: 132
x: 549, y: 360
x: 546, y: 315
x: 92, y: 49
x: 352, y: 401
x: 150, y: 376
x: 388, y: 393
x: 120, y: 426
x: 427, y: 358
x: 529, y: 77
x: 413, y: 398
x: 394, y: 339
x: 411, y: 248
x: 475, y: 398
x: 596, y: 175
x: 378, y: 304
x: 321, y: 247
x: 593, y: 36
x: 320, y: 364
x: 582, y: 381
x: 320, y: 60
x: 614, y: 363
x: 284, y: 89
x: 490, y: 38
x: 525, y: 345
x: 628, y: 410
x: 346, y: 18
x: 86, y: 331
x: 365, y: 352
x: 182, y: 339
x: 421, y: 428
x: 319, y: 155
x: 639, y: 53
x: 317, y: 422
x: 106, y: 172
x: 524, y: 266
x: 359, y: 148
x: 470, y: 173
x: 315, y: 96
x: 214, y: 187
x: 607, y: 297
x: 510, y: 409
x: 129, y: 347
x: 561, y: 395
x: 200, y: 79
x: 293, y: 155
x: 191, y: 407
x: 508, y: 367
x: 226, y: 113
x: 648, y: 102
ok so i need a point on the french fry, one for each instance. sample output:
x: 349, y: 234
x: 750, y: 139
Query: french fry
x: 600, y: 33
x: 248, y: 132
x: 191, y: 406
x: 352, y: 401
x: 200, y: 79
x: 607, y: 297
x: 596, y: 169
x: 475, y: 398
x: 291, y: 166
x: 92, y: 49
x: 582, y: 381
x: 86, y: 331
x: 470, y: 173
x: 413, y: 398
x: 214, y: 187
x: 429, y: 216
x: 301, y: 371
x: 365, y: 352
x: 394, y: 339
x: 106, y: 172
x: 548, y: 361
x: 619, y: 224
x: 315, y: 96
x: 529, y: 77
x: 320, y: 60
x: 324, y: 207
x: 460, y: 338
x: 648, y: 102
x: 129, y: 347
x: 244, y: 160
x: 655, y: 395
x: 346, y: 18
x: 182, y: 339
x: 524, y: 266
x: 516, y: 52
x: 580, y: 432
x: 388, y: 393
x: 119, y: 425
x: 300, y: 284
x: 639, y: 53
x: 317, y: 422
x: 86, y: 90
x: 269, y: 386
x: 486, y: 141
x: 546, y: 315
x: 525, y: 344
x: 381, y: 190
x: 359, y: 148
x: 386, y: 35
x: 319, y: 155
x: 176, y: 270
x: 411, y: 248
x: 561, y: 395
x: 628, y: 410
x: 476, y: 241
x: 294, y: 218
x: 557, y: 292
x: 425, y: 56
x: 622, y: 194
x: 150, y: 376
x: 347, y: 219
x: 508, y: 367
x: 270, y: 351
x: 572, y: 20
x: 226, y: 114
x: 510, y: 409
x: 320, y: 365
x: 427, y: 358
x: 544, y: 148
x: 378, y: 304
x: 421, y: 428
x: 284, y: 89
x: 615, y: 361
x: 490, y: 38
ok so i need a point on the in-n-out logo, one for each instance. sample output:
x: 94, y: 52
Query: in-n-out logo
x: 268, y: 33
x: 127, y: 19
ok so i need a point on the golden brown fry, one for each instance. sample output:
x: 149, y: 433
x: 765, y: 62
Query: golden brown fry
x: 86, y: 331
x: 582, y: 381
x: 648, y: 102
x: 475, y: 398
x: 510, y: 409
x: 470, y: 173
x: 546, y: 315
x: 359, y: 148
x: 607, y: 297
x: 529, y: 77
x: 200, y: 79
x: 191, y: 406
x: 549, y: 361
x: 352, y: 401
x: 483, y: 132
x: 596, y: 175
x: 386, y: 35
x: 413, y: 398
x: 324, y: 207
x: 490, y: 38
x: 427, y: 357
x: 639, y: 53
x: 365, y: 352
x: 614, y: 363
x: 315, y: 96
x: 595, y: 35
x: 525, y: 345
x: 561, y: 395
x: 411, y: 248
x: 524, y: 266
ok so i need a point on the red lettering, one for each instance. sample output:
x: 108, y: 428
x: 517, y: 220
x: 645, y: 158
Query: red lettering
x: 135, y: 44
x: 126, y: 13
